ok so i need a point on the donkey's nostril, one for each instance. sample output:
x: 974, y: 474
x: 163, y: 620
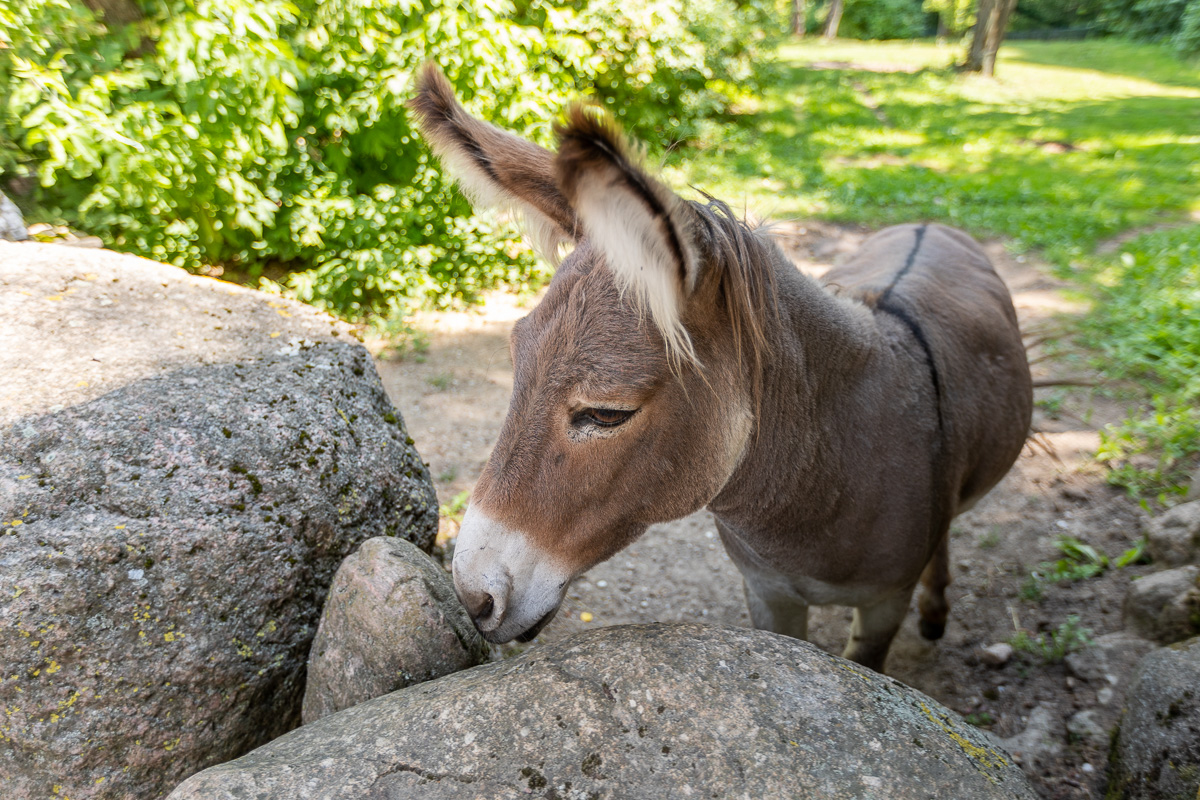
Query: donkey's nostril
x: 485, y: 610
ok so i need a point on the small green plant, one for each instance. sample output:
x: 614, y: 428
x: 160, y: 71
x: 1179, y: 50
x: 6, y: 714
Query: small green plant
x: 1031, y: 590
x: 448, y: 474
x: 980, y: 719
x: 1052, y: 406
x: 1054, y: 647
x: 989, y: 540
x: 442, y: 381
x: 455, y: 508
x: 1080, y: 561
x: 1134, y: 555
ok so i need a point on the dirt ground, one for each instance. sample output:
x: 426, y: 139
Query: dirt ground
x: 454, y: 390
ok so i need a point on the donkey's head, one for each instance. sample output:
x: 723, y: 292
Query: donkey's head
x: 615, y: 422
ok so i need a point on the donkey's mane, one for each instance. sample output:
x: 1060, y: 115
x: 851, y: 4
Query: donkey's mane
x: 745, y: 258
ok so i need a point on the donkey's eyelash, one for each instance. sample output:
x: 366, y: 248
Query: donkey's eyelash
x: 603, y: 417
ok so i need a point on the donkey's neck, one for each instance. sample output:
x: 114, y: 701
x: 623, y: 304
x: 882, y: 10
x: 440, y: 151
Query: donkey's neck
x: 819, y: 351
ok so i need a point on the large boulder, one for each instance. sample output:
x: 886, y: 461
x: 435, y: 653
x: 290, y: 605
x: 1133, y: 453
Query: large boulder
x: 1165, y: 606
x: 636, y: 711
x: 1157, y: 752
x: 391, y: 620
x: 183, y: 465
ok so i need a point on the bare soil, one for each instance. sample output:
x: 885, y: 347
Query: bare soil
x: 454, y: 396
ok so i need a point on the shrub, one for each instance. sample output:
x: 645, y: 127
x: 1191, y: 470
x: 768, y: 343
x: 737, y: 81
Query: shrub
x: 884, y: 19
x: 273, y: 135
x: 1187, y: 39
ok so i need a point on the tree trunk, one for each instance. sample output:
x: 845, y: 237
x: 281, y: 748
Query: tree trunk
x: 833, y: 20
x: 799, y: 17
x: 995, y: 34
x: 990, y: 27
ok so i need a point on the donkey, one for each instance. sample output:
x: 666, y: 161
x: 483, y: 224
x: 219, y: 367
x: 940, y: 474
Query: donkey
x: 679, y: 361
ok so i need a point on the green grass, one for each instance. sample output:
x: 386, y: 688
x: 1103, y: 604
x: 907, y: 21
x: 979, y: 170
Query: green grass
x: 1053, y: 155
x: 1074, y: 143
x: 1146, y: 328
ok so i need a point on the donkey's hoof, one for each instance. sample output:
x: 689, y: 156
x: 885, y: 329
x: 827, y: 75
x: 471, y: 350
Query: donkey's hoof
x: 932, y: 630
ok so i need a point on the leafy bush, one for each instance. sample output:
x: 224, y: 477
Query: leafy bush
x: 1187, y: 39
x: 1142, y: 19
x: 273, y: 135
x: 884, y: 19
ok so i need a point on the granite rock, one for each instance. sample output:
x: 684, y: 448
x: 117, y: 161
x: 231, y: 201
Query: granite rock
x: 1157, y: 751
x: 636, y: 711
x: 1174, y: 538
x: 1164, y: 606
x: 183, y: 465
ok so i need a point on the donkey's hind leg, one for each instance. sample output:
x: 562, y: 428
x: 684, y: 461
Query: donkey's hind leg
x: 932, y: 603
x: 873, y: 629
x: 777, y: 611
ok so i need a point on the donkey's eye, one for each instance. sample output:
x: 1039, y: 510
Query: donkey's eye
x: 604, y: 417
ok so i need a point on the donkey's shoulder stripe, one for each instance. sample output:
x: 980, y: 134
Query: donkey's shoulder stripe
x: 901, y: 314
x: 908, y: 263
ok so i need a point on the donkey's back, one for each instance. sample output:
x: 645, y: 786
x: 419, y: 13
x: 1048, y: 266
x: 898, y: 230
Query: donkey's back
x: 939, y: 285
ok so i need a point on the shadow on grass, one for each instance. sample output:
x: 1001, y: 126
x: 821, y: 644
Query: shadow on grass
x: 880, y: 148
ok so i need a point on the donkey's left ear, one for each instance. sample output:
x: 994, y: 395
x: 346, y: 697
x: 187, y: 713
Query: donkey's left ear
x: 646, y: 232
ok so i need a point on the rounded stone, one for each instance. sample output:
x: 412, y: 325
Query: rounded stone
x: 391, y: 620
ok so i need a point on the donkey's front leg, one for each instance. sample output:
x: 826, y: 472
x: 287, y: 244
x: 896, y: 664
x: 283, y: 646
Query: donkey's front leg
x: 776, y: 610
x: 874, y: 628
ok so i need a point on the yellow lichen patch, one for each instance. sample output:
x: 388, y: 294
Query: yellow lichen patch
x: 586, y: 616
x: 53, y: 668
x: 81, y: 384
x: 985, y: 757
x: 270, y: 627
x: 54, y: 298
x: 852, y: 671
x: 119, y: 527
x: 275, y: 334
x: 24, y: 477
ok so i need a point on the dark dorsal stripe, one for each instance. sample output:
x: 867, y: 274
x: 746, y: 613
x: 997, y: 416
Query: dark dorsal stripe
x: 886, y: 305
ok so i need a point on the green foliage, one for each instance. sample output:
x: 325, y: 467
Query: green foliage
x: 957, y: 16
x: 1145, y: 326
x: 457, y: 507
x: 884, y: 19
x: 1068, y: 638
x: 1153, y: 20
x: 1187, y: 38
x: 274, y: 134
x: 980, y: 719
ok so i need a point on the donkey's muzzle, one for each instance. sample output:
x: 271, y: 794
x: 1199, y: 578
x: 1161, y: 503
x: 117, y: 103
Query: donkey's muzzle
x: 507, y: 586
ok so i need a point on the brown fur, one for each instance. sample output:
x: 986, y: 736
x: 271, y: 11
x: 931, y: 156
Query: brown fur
x: 833, y: 429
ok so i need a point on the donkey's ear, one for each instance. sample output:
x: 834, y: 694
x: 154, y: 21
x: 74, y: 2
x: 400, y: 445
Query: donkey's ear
x: 645, y: 231
x: 493, y: 167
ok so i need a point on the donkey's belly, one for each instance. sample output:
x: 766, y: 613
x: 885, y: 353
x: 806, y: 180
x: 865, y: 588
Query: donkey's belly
x: 810, y: 590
